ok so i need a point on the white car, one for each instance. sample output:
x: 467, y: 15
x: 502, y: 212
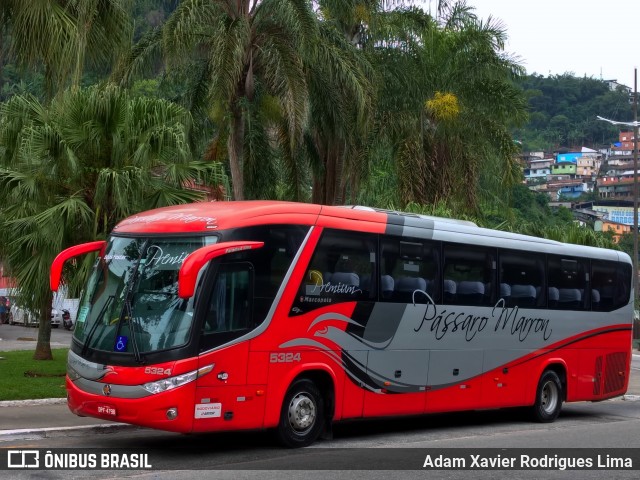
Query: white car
x: 56, y: 317
x: 23, y: 316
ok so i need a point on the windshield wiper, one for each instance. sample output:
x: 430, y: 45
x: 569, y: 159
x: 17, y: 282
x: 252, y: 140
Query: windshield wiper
x: 133, y: 323
x: 85, y: 347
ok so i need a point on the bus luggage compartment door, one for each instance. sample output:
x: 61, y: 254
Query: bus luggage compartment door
x: 455, y: 380
x: 401, y: 376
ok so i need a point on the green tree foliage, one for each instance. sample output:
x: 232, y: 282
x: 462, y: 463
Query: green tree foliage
x: 238, y: 53
x: 446, y: 103
x: 62, y: 37
x: 71, y: 170
x: 567, y: 233
x: 310, y: 107
x: 564, y: 109
x: 342, y: 86
x: 626, y: 244
x: 150, y: 14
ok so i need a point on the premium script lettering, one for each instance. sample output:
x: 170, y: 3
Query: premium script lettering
x: 339, y: 287
x: 158, y: 257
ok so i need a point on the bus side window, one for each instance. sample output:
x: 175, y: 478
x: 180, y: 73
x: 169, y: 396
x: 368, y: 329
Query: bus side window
x: 610, y: 287
x: 272, y: 262
x: 409, y: 270
x: 469, y: 275
x: 342, y: 270
x: 521, y: 278
x: 623, y: 285
x: 569, y: 277
x: 603, y: 281
x: 229, y: 305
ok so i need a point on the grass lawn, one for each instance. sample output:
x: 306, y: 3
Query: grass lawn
x: 23, y: 378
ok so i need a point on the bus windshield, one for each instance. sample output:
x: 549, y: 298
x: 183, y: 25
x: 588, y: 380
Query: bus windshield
x: 131, y: 304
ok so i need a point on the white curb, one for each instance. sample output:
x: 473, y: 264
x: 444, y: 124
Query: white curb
x: 49, y: 432
x: 32, y: 403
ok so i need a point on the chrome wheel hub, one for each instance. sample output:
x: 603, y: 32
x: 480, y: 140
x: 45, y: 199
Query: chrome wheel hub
x: 549, y: 398
x: 302, y: 412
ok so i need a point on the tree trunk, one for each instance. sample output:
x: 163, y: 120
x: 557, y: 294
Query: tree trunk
x: 236, y: 151
x: 353, y: 191
x: 318, y: 195
x: 2, y: 57
x: 85, y: 23
x: 330, y: 176
x: 49, y: 83
x: 77, y: 72
x: 43, y: 347
x: 340, y: 187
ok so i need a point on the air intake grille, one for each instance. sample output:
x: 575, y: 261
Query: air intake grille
x: 597, y: 376
x: 615, y: 372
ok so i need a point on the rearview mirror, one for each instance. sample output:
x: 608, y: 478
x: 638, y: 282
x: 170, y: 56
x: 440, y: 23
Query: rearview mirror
x: 58, y: 262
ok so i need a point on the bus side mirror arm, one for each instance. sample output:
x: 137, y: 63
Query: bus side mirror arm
x: 56, y: 267
x: 191, y: 266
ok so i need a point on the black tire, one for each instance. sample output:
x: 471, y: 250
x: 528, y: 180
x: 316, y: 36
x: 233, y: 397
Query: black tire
x: 302, y: 415
x: 549, y: 396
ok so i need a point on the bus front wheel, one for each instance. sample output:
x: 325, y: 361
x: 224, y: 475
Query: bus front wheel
x: 548, y: 397
x: 302, y: 415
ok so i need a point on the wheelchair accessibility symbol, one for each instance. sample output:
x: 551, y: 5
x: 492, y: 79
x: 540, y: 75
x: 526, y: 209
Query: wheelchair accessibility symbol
x: 121, y: 343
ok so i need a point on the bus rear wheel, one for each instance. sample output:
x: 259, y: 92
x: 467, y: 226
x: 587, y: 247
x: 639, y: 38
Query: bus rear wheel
x: 302, y: 415
x: 548, y: 398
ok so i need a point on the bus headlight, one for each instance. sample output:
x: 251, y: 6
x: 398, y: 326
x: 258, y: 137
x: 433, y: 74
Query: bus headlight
x: 72, y: 374
x: 177, y: 381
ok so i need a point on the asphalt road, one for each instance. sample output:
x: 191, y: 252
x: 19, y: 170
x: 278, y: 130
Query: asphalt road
x: 394, y: 447
x: 399, y: 446
x: 19, y: 337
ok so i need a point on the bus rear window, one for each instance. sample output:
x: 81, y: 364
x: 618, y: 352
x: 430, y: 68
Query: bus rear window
x: 610, y: 285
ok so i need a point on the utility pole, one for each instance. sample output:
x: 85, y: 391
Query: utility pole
x: 635, y: 181
x: 635, y: 125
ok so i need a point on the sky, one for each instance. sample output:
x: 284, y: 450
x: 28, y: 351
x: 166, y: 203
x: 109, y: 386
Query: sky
x: 584, y: 37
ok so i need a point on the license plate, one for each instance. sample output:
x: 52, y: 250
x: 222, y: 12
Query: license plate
x: 106, y: 410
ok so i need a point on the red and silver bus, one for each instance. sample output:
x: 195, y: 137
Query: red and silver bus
x: 250, y: 315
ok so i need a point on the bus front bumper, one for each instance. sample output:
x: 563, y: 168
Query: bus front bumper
x: 171, y: 410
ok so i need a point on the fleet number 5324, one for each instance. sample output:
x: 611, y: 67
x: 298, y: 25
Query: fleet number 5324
x: 284, y: 357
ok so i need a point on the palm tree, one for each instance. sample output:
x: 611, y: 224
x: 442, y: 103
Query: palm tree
x: 240, y: 53
x: 446, y: 104
x: 71, y: 170
x: 103, y: 29
x: 6, y: 9
x: 62, y: 35
x: 342, y: 138
x: 342, y: 99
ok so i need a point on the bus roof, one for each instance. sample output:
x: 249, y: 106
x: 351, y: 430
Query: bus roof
x: 206, y: 217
